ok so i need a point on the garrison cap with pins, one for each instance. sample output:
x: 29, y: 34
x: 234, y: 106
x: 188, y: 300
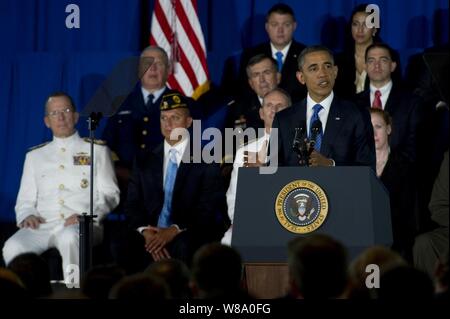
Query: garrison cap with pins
x: 174, y: 100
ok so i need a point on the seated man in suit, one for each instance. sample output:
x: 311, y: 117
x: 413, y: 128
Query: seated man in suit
x: 280, y: 27
x: 54, y: 189
x: 174, y: 205
x: 405, y: 109
x: 345, y: 136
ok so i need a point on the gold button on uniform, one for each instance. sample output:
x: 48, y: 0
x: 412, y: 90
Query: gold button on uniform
x: 61, y: 166
x: 61, y: 215
x: 142, y: 145
x: 144, y: 132
x: 63, y: 149
x: 61, y: 202
x: 61, y: 186
x: 145, y: 119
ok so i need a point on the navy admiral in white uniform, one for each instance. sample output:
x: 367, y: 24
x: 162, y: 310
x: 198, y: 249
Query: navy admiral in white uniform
x: 54, y: 188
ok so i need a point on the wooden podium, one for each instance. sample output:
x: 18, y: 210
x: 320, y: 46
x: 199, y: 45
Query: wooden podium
x: 266, y: 280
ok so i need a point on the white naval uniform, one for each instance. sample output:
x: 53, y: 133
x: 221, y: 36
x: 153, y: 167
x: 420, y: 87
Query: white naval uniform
x: 255, y: 147
x: 55, y: 184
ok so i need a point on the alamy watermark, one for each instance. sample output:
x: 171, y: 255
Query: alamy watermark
x: 214, y: 150
x: 73, y: 18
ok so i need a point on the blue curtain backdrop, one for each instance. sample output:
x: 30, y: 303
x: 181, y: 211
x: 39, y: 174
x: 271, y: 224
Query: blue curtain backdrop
x: 39, y: 54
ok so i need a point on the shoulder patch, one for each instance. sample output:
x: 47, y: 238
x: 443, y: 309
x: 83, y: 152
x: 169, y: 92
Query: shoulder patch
x: 98, y: 142
x: 37, y: 146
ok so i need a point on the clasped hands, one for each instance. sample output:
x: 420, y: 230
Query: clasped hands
x: 157, y: 238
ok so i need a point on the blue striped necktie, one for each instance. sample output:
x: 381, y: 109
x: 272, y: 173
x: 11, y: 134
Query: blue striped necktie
x: 315, y: 117
x: 171, y: 174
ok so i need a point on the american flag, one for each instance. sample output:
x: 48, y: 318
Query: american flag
x: 176, y: 28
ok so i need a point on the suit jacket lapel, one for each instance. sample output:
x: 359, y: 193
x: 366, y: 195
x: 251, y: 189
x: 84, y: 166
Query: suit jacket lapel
x: 157, y: 166
x: 184, y: 168
x: 334, y: 120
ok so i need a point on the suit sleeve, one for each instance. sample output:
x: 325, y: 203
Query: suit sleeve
x: 364, y: 140
x: 134, y: 206
x: 439, y: 197
x: 211, y: 217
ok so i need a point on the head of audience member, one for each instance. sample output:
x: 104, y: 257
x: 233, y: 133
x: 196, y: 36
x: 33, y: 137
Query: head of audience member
x: 280, y: 25
x: 273, y: 102
x: 405, y: 282
x: 317, y: 267
x: 216, y: 272
x: 262, y: 73
x: 176, y: 275
x: 11, y: 287
x: 140, y: 287
x: 174, y: 115
x: 154, y: 68
x: 383, y: 257
x: 382, y: 128
x: 380, y: 64
x: 98, y: 281
x: 361, y: 33
x: 60, y: 114
x: 316, y: 70
x: 34, y: 273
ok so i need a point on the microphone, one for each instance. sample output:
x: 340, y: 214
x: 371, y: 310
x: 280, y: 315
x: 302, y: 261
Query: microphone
x: 298, y: 143
x: 316, y: 128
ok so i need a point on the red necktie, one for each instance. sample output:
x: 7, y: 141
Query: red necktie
x: 377, y: 101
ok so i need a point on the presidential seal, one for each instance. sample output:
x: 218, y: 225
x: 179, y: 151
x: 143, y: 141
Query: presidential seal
x: 301, y: 206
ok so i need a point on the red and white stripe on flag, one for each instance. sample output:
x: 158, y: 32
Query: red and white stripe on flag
x: 176, y: 28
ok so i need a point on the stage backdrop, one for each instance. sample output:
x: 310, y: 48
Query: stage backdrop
x: 39, y: 54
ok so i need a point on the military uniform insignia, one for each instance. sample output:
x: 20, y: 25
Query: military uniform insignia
x: 37, y: 146
x: 176, y: 99
x: 301, y: 206
x: 84, y: 183
x: 81, y: 159
x: 98, y: 142
x: 164, y: 105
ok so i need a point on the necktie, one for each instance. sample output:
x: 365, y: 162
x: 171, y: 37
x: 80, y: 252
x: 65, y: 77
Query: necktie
x: 279, y: 56
x: 149, y: 103
x: 377, y: 100
x: 315, y: 117
x: 171, y: 174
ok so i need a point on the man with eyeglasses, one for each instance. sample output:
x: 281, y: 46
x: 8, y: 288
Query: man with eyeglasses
x: 55, y: 185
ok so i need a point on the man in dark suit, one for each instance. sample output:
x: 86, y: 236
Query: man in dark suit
x: 262, y: 77
x: 174, y: 205
x: 345, y: 136
x: 280, y: 26
x: 405, y: 109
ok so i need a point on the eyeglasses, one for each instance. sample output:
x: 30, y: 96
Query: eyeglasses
x: 56, y: 113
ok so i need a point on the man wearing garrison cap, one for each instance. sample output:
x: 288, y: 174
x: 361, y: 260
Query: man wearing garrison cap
x: 172, y: 204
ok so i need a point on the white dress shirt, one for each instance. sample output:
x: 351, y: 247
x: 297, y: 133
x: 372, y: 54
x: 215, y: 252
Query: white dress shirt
x: 156, y: 94
x: 385, y: 90
x: 285, y: 51
x: 323, y: 114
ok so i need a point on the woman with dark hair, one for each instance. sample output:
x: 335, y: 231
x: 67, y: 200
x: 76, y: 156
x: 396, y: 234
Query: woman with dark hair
x: 352, y: 76
x: 399, y: 177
